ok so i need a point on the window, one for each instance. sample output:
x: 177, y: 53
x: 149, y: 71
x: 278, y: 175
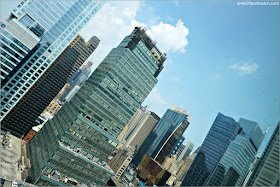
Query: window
x: 27, y: 21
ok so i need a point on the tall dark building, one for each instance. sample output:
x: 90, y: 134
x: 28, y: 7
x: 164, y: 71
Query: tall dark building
x: 172, y: 138
x: 222, y: 132
x: 169, y: 131
x: 78, y: 140
x: 178, y: 145
x: 22, y: 117
x: 226, y: 153
x: 235, y: 162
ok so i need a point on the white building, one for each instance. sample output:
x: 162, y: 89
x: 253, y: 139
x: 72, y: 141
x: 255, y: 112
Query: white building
x: 138, y: 128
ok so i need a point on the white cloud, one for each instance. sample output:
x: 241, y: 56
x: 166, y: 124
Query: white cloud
x: 154, y: 98
x: 116, y: 20
x: 111, y: 24
x: 170, y: 38
x: 245, y: 67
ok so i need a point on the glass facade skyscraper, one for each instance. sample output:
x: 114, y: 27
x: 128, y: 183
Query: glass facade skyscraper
x: 178, y: 145
x: 33, y: 103
x: 164, y: 136
x: 233, y: 166
x: 226, y: 153
x: 78, y: 140
x: 169, y: 131
x: 221, y: 133
x: 31, y: 39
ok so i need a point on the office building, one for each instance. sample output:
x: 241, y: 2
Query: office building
x: 28, y: 137
x: 171, y: 166
x: 221, y: 133
x: 180, y: 150
x: 130, y: 178
x: 17, y: 41
x: 53, y: 107
x: 119, y: 161
x: 178, y: 146
x: 164, y: 136
x: 184, y: 166
x: 266, y: 172
x: 72, y: 93
x: 76, y: 81
x: 250, y: 170
x: 63, y: 90
x: 186, y: 152
x: 169, y: 131
x: 32, y: 38
x: 78, y: 140
x: 139, y: 127
x: 152, y: 172
x: 235, y: 162
x: 33, y: 103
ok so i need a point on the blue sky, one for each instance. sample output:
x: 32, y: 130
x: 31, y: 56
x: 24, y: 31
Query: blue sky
x: 231, y: 64
x: 221, y: 57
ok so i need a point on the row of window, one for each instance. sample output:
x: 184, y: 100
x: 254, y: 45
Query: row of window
x: 125, y: 86
x: 23, y: 79
x: 149, y: 78
x: 30, y: 81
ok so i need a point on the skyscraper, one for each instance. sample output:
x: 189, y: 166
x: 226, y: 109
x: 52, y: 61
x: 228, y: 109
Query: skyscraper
x: 71, y: 93
x: 266, y: 172
x: 169, y: 131
x: 184, y: 165
x: 119, y: 161
x: 22, y: 117
x: 221, y: 133
x: 77, y: 80
x: 164, y: 136
x: 186, y: 152
x: 139, y: 127
x: 152, y: 172
x: 235, y: 162
x: 83, y: 134
x: 52, y: 109
x: 31, y: 39
x: 180, y: 150
x: 178, y: 145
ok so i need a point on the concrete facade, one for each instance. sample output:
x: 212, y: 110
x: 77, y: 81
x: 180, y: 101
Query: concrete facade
x: 138, y: 128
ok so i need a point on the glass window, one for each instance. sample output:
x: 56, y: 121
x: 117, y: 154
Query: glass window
x: 27, y: 21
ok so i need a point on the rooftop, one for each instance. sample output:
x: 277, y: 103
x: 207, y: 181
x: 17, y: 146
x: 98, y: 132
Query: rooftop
x: 13, y: 160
